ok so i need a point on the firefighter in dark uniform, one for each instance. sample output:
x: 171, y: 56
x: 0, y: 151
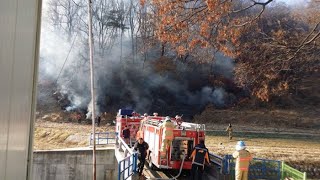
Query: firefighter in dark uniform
x: 142, y: 147
x: 199, y: 156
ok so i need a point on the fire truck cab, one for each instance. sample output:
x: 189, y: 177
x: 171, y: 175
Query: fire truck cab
x: 186, y: 136
x: 131, y: 119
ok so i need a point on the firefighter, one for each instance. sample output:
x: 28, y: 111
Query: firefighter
x: 199, y: 156
x: 243, y: 158
x: 142, y: 147
x: 178, y: 121
x: 229, y: 130
x: 167, y: 135
x: 140, y: 130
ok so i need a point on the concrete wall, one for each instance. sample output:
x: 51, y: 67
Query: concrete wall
x: 74, y: 165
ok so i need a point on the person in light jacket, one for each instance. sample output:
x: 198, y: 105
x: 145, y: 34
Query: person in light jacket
x: 167, y: 135
x: 243, y: 158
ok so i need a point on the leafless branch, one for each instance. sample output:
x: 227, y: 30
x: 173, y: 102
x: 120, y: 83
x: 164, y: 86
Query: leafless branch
x: 305, y: 40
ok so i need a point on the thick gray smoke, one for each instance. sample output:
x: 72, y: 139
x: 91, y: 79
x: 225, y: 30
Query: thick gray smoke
x: 125, y: 83
x: 223, y: 65
x: 61, y: 65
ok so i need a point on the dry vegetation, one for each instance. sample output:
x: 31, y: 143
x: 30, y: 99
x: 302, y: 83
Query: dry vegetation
x: 59, y: 135
x: 305, y: 119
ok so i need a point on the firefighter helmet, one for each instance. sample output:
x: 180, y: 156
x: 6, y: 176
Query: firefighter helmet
x: 145, y: 114
x: 240, y: 145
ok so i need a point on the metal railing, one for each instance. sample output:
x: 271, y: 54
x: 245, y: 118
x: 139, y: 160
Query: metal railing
x: 220, y: 162
x: 123, y: 146
x: 290, y: 172
x: 215, y: 159
x: 103, y: 138
x: 128, y: 165
x: 258, y: 169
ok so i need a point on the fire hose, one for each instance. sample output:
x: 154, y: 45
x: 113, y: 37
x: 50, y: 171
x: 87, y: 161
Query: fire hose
x: 175, y: 177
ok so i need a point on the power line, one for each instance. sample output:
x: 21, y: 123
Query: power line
x: 65, y: 61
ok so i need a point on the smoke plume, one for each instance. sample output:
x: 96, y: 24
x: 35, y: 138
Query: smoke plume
x: 126, y: 83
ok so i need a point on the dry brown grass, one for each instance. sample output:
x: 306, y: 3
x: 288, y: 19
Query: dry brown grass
x: 53, y: 135
x: 264, y: 118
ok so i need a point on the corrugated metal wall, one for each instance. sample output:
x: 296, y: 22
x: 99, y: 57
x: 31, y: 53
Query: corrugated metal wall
x: 19, y: 32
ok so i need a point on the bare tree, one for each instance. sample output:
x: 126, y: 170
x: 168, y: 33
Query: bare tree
x: 277, y: 53
x: 65, y: 15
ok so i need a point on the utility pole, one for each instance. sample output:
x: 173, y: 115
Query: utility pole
x: 93, y: 96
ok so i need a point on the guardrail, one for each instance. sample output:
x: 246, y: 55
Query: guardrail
x: 258, y: 169
x: 262, y: 168
x: 103, y: 138
x: 215, y: 159
x: 289, y: 172
x: 220, y: 162
x: 123, y: 146
x: 127, y: 166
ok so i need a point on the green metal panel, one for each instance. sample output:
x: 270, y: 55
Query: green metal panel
x: 290, y: 172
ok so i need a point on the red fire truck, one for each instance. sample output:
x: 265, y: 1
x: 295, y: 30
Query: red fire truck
x: 131, y: 119
x: 186, y: 136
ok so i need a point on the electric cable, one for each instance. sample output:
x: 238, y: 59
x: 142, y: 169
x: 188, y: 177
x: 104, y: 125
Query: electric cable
x: 67, y: 57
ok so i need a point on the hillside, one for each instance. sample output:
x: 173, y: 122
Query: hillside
x: 276, y: 119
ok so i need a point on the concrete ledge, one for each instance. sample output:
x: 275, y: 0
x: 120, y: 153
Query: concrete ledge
x: 74, y: 164
x: 89, y: 148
